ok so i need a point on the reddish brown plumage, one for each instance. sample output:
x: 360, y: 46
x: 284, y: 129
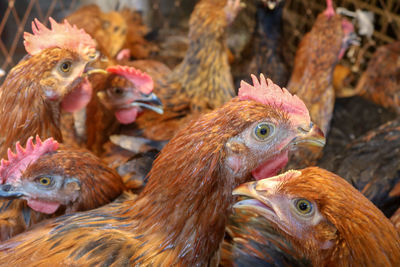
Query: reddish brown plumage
x: 87, y: 184
x: 180, y: 216
x: 343, y: 227
x: 34, y: 91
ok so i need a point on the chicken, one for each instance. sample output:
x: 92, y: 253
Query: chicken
x: 179, y: 217
x: 53, y: 180
x: 311, y: 79
x: 380, y: 83
x: 108, y: 29
x: 370, y: 164
x: 125, y: 93
x: 315, y: 60
x: 50, y: 77
x: 184, y: 92
x: 329, y: 226
x: 266, y: 49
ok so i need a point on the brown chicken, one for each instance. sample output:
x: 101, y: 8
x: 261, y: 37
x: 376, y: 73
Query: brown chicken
x: 51, y: 77
x: 311, y: 79
x: 331, y: 227
x: 123, y: 95
x: 53, y: 181
x: 108, y: 29
x: 179, y: 218
x: 380, y: 83
x: 316, y: 57
x: 185, y: 92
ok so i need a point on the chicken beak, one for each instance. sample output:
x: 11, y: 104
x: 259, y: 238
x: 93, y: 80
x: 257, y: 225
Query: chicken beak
x: 90, y: 70
x: 252, y: 200
x: 149, y: 101
x: 260, y: 191
x: 9, y: 192
x: 313, y: 137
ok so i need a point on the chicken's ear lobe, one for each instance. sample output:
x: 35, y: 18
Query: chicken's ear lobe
x: 72, y: 184
x: 234, y: 159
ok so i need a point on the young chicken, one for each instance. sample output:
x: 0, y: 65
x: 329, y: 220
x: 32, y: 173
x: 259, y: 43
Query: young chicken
x: 324, y: 218
x: 380, y: 83
x: 179, y: 218
x: 311, y: 79
x: 50, y: 78
x: 53, y: 180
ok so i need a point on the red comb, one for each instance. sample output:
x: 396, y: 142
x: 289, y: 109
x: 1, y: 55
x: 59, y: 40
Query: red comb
x: 140, y: 79
x: 329, y: 11
x: 266, y: 92
x: 60, y: 35
x: 12, y: 168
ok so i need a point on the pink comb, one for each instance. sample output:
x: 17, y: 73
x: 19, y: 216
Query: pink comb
x: 12, y: 168
x: 140, y: 79
x: 266, y: 92
x: 60, y: 35
x: 329, y: 11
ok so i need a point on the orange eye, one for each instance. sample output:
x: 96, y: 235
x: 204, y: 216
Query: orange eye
x: 46, y: 181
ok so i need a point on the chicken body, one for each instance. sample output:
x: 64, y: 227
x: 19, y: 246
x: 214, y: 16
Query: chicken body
x: 179, y: 218
x: 267, y: 46
x: 253, y: 241
x: 380, y: 83
x: 316, y: 57
x: 331, y: 227
x: 60, y: 181
x: 370, y: 164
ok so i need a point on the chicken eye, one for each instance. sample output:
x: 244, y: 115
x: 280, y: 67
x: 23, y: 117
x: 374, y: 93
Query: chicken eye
x: 65, y: 66
x: 46, y: 181
x: 303, y: 206
x: 264, y: 130
x: 117, y: 91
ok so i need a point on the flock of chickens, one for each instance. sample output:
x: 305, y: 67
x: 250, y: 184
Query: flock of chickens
x: 110, y: 161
